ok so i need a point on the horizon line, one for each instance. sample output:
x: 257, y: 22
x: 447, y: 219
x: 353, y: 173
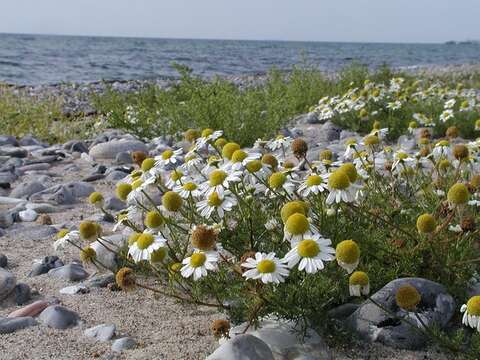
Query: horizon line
x: 236, y: 39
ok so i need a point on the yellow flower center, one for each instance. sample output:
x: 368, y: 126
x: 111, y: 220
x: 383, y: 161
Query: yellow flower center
x: 314, y: 180
x: 167, y: 154
x: 254, y: 166
x: 407, y: 297
x: 220, y: 143
x: 136, y: 184
x: 238, y: 156
x: 172, y: 201
x: 122, y: 191
x: 144, y: 241
x: 293, y: 207
x: 132, y: 239
x: 473, y: 306
x: 297, y: 224
x: 190, y: 186
x: 229, y: 149
x: 371, y: 140
x: 158, y: 255
x: 351, y: 141
x: 197, y: 259
x: 458, y: 194
x: 402, y: 155
x: 153, y: 219
x: 95, y: 197
x: 62, y: 233
x: 442, y: 143
x: 207, y: 132
x: 269, y: 159
x: 276, y: 180
x: 214, y: 200
x: 350, y: 170
x: 176, y: 175
x: 426, y: 223
x: 147, y: 164
x: 217, y: 177
x: 326, y: 155
x: 348, y: 252
x: 358, y: 278
x: 308, y: 248
x: 88, y: 230
x: 338, y: 180
x: 266, y: 266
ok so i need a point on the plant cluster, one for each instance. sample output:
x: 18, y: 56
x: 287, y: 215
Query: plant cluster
x: 262, y: 230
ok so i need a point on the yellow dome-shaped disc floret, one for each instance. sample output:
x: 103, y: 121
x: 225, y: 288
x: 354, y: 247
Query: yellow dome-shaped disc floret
x: 167, y: 154
x: 132, y: 239
x: 153, y: 219
x: 190, y: 186
x: 214, y: 200
x: 87, y: 255
x: 371, y: 140
x: 473, y: 306
x: 172, y: 201
x: 207, y: 132
x: 407, y: 297
x: 288, y: 164
x: 176, y: 175
x: 253, y: 166
x: 359, y: 278
x: 293, y: 207
x: 426, y: 224
x: 88, y: 230
x: 452, y: 132
x: 363, y: 113
x: 347, y: 252
x: 144, y: 241
x: 62, y: 233
x: 413, y: 125
x: 458, y: 194
x: 147, y: 164
x: 158, y: 255
x: 338, y: 180
x: 326, y: 155
x: 204, y: 237
x: 276, y: 180
x: 197, y: 259
x: 350, y: 170
x: 220, y: 143
x: 444, y: 164
x: 217, y: 177
x: 122, y: 191
x: 297, y: 224
x: 266, y: 266
x: 475, y: 181
x: 270, y: 160
x: 239, y: 156
x: 96, y: 198
x: 191, y: 135
x: 376, y: 125
x: 125, y: 279
x: 136, y: 184
x: 308, y: 248
x: 229, y: 149
x: 175, y: 267
x: 313, y: 180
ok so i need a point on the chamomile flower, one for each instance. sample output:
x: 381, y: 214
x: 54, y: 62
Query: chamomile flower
x: 199, y: 263
x: 265, y: 267
x: 446, y: 115
x: 176, y: 178
x: 298, y: 227
x: 310, y: 254
x: 208, y: 136
x: 169, y: 157
x: 70, y: 237
x: 280, y: 142
x: 240, y: 159
x: 220, y: 180
x: 350, y: 148
x: 279, y: 181
x: 442, y: 149
x: 348, y: 255
x: 218, y: 203
x: 313, y: 184
x: 340, y: 188
x: 471, y: 313
x: 145, y: 245
x: 359, y: 284
x: 188, y: 189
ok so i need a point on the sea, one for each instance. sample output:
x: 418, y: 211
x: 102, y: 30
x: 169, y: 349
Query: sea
x: 46, y: 59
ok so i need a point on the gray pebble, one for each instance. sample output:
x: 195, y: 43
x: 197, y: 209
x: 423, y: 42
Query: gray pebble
x: 58, y: 317
x: 9, y: 325
x: 124, y: 343
x: 71, y: 272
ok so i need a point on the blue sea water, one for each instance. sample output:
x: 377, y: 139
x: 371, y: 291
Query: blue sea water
x: 42, y: 59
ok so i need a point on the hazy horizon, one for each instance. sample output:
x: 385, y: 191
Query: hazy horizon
x: 372, y: 21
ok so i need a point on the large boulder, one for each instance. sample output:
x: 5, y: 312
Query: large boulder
x: 242, y: 347
x: 110, y: 149
x: 372, y: 323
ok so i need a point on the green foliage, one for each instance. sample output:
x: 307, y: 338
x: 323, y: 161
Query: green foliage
x: 21, y: 115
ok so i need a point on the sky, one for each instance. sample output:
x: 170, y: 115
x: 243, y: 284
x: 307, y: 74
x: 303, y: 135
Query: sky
x: 301, y: 20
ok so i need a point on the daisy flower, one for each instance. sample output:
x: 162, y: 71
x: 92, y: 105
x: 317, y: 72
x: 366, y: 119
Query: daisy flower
x: 348, y: 255
x: 471, y: 313
x: 310, y: 254
x: 313, y: 184
x: 198, y: 264
x: 216, y: 202
x: 446, y: 115
x: 266, y: 267
x: 67, y: 238
x: 145, y: 245
x: 220, y: 180
x: 176, y: 178
x: 169, y: 157
x: 340, y: 188
x: 350, y: 148
x: 188, y: 189
x: 278, y: 181
x: 281, y: 142
x: 441, y: 149
x: 240, y: 159
x: 208, y: 136
x: 297, y: 227
x: 359, y: 284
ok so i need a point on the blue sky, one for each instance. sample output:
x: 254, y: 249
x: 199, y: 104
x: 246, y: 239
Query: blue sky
x: 317, y: 20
